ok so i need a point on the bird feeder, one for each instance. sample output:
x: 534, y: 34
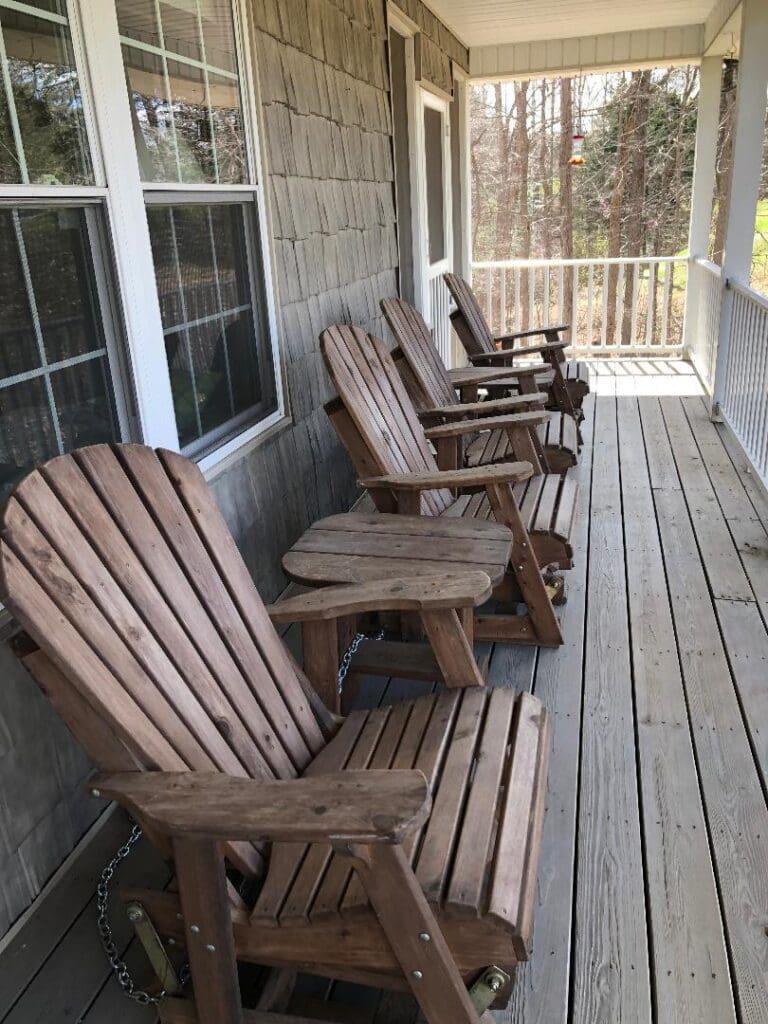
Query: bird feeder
x: 577, y: 151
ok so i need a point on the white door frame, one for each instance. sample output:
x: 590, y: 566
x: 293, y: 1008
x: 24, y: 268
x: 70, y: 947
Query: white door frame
x: 428, y: 284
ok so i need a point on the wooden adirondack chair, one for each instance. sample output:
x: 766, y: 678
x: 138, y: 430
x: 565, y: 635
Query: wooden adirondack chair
x: 390, y: 450
x: 433, y: 390
x: 570, y: 382
x: 396, y: 848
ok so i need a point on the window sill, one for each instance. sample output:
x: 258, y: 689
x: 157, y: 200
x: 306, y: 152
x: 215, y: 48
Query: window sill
x: 223, y: 458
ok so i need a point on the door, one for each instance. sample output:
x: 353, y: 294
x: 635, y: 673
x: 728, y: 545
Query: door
x: 435, y: 234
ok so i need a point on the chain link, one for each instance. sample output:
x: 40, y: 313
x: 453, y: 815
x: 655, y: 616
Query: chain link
x: 118, y: 965
x: 351, y: 651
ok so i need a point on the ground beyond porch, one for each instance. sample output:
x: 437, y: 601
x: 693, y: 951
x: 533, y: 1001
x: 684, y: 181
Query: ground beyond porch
x: 654, y: 874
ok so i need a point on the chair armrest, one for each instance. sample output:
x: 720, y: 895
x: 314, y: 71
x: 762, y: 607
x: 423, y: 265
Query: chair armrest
x: 471, y: 376
x: 520, y: 419
x: 463, y: 590
x: 353, y: 806
x: 477, y: 476
x: 532, y: 350
x: 532, y: 332
x: 506, y: 357
x: 495, y: 407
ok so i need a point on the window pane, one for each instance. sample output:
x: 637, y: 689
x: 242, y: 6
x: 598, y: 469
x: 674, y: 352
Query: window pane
x: 433, y: 146
x: 42, y: 128
x: 181, y: 67
x: 55, y: 391
x: 216, y: 335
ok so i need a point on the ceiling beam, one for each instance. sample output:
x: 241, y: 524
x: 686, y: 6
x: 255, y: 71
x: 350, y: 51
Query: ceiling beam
x: 718, y: 18
x: 611, y: 51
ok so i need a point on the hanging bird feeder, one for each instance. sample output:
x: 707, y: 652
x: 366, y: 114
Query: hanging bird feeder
x: 577, y: 151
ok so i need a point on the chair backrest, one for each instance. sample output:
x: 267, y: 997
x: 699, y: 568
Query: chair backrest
x: 471, y: 326
x: 117, y: 562
x: 378, y: 404
x: 414, y: 338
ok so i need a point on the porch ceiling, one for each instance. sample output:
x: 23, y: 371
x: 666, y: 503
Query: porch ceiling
x: 495, y: 22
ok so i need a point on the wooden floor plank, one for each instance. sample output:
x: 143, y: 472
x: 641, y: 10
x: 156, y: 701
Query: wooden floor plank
x: 746, y: 641
x: 540, y: 995
x: 610, y: 963
x: 733, y: 797
x: 75, y: 972
x: 661, y: 465
x: 746, y: 475
x: 56, y: 908
x: 725, y: 572
x: 749, y: 535
x: 689, y: 962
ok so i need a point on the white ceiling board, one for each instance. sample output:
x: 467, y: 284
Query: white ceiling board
x: 493, y: 22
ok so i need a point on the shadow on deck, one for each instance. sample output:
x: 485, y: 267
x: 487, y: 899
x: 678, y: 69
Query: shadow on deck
x: 653, y: 890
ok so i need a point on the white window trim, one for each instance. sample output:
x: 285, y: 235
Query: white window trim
x: 97, y: 45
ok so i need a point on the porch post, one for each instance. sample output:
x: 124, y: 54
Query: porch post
x: 745, y: 181
x: 703, y: 190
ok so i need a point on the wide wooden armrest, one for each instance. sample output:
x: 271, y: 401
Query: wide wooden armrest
x: 462, y: 590
x: 495, y: 407
x: 532, y: 350
x: 470, y: 376
x: 532, y: 332
x: 505, y: 357
x: 476, y: 476
x: 520, y: 419
x: 353, y: 806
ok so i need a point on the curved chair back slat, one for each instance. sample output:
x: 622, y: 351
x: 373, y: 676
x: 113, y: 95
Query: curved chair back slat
x: 474, y: 331
x: 118, y: 563
x: 415, y: 340
x: 375, y: 398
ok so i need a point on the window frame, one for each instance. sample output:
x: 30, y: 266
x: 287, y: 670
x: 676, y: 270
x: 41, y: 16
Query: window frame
x: 140, y: 374
x: 91, y: 199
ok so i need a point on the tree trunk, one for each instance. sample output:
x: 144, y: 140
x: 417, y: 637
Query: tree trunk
x: 614, y: 220
x: 724, y: 157
x: 566, y: 200
x: 634, y: 221
x: 522, y: 148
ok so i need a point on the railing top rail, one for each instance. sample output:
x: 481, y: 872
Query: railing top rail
x: 598, y: 260
x: 713, y: 268
x: 749, y: 293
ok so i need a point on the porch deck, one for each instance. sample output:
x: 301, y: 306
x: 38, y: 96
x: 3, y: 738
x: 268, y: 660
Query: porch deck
x: 654, y: 875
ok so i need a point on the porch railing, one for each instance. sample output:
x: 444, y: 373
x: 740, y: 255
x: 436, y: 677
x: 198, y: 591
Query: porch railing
x: 704, y: 306
x: 616, y: 306
x: 745, y: 398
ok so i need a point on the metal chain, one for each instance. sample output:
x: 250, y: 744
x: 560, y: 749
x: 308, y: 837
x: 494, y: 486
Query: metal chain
x: 119, y: 968
x: 351, y: 651
x: 118, y: 965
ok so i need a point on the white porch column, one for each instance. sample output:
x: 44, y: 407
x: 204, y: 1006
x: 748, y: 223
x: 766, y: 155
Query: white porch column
x: 703, y: 190
x: 747, y: 158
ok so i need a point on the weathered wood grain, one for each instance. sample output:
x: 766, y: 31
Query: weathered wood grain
x: 611, y: 969
x: 541, y: 991
x: 733, y: 796
x: 689, y: 963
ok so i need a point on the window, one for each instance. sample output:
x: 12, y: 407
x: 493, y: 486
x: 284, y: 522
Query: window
x: 56, y: 354
x: 133, y: 270
x: 433, y: 149
x: 184, y: 81
x: 214, y: 331
x: 42, y: 130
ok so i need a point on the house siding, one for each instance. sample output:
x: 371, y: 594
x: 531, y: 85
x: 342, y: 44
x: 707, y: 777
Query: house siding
x: 323, y: 75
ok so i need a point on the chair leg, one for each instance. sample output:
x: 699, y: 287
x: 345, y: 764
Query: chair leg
x: 208, y: 930
x: 521, y: 440
x: 525, y: 566
x: 413, y: 932
x: 560, y: 392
